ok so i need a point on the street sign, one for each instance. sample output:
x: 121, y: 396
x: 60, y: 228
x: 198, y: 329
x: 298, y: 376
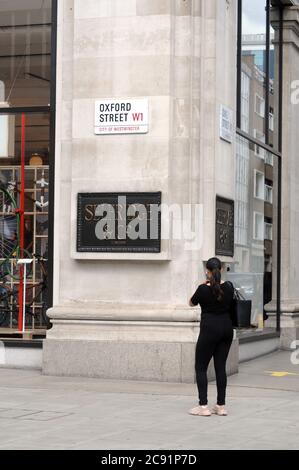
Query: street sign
x: 121, y: 116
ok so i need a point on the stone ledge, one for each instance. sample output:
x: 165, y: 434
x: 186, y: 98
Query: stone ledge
x: 101, y: 330
x: 254, y: 349
x: 268, y: 333
x: 290, y: 308
x: 152, y: 361
x: 121, y: 311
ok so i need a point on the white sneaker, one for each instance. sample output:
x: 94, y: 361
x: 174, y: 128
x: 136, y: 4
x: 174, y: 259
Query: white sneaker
x: 200, y: 411
x: 219, y: 410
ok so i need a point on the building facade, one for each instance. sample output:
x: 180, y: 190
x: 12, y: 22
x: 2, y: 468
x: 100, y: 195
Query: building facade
x: 214, y: 84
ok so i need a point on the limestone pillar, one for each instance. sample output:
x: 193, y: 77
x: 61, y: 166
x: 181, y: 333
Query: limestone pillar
x: 290, y: 183
x: 127, y: 315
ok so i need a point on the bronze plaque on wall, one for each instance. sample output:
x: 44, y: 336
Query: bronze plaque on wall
x: 224, y: 226
x: 119, y: 222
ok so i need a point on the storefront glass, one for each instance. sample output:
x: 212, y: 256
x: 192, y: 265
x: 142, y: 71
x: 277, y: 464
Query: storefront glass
x: 25, y: 52
x: 259, y: 72
x: 257, y: 176
x: 25, y: 162
x: 26, y: 187
x: 253, y: 83
x: 253, y: 269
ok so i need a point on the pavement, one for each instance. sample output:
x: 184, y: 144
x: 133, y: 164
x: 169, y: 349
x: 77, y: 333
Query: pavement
x: 42, y: 412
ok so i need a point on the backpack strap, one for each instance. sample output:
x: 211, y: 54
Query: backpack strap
x: 237, y: 294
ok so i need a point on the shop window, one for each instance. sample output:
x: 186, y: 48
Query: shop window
x: 32, y: 186
x: 25, y: 52
x: 257, y: 195
x: 26, y: 156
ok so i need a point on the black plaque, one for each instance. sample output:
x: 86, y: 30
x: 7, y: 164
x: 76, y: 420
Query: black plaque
x: 119, y: 222
x: 224, y: 226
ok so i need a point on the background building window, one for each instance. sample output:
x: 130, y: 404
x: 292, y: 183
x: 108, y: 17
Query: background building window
x: 258, y: 226
x: 271, y: 119
x: 259, y: 151
x: 259, y: 185
x: 268, y: 158
x: 259, y: 105
x: 268, y: 194
x: 245, y: 101
x: 268, y: 231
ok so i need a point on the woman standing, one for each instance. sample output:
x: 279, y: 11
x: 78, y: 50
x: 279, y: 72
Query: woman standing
x: 216, y: 334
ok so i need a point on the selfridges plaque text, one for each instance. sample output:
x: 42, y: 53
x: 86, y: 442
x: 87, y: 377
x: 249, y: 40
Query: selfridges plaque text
x: 119, y: 222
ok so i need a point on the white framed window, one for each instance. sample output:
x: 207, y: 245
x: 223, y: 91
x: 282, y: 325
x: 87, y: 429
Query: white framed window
x: 258, y: 226
x: 268, y: 158
x: 259, y: 105
x: 259, y: 185
x: 271, y: 119
x: 268, y: 193
x: 268, y: 231
x: 245, y: 97
x: 258, y: 151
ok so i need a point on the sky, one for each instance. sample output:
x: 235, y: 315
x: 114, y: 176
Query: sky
x: 254, y: 16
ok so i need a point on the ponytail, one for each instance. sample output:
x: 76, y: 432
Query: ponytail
x: 214, y: 266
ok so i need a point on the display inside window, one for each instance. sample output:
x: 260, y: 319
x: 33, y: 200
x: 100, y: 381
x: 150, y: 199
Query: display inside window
x: 24, y: 211
x: 25, y: 97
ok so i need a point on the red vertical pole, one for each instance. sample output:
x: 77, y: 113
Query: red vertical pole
x: 21, y: 210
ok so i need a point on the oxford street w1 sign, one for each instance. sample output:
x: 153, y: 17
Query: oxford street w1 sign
x: 121, y: 116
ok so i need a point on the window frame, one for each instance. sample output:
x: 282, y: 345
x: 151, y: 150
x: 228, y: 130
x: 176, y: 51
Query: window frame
x: 255, y: 185
x: 263, y: 104
x: 269, y: 225
x: 267, y: 186
x: 51, y: 109
x: 277, y: 151
x: 255, y: 214
x: 261, y: 152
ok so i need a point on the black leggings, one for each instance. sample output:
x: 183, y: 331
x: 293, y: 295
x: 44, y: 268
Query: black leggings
x: 214, y: 340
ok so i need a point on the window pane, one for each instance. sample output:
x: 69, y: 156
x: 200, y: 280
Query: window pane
x: 253, y: 69
x: 25, y: 52
x: 259, y: 104
x: 255, y: 227
x: 37, y: 160
x: 274, y: 87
